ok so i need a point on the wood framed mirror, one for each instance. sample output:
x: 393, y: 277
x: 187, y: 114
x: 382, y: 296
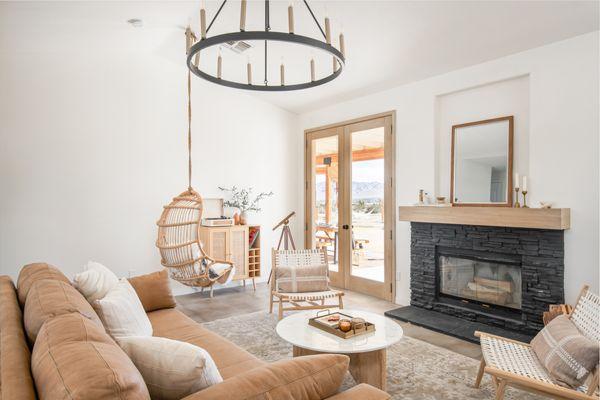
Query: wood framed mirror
x: 482, y: 162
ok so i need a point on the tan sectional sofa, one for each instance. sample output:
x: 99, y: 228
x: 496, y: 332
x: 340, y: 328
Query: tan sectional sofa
x: 53, y: 346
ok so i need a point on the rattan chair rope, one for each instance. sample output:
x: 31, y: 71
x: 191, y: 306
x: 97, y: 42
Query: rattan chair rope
x: 180, y: 249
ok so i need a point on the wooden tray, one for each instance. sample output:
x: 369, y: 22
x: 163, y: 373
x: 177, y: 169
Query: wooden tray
x: 320, y: 321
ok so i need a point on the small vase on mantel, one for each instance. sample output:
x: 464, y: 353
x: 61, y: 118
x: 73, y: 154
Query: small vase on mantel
x: 244, y: 218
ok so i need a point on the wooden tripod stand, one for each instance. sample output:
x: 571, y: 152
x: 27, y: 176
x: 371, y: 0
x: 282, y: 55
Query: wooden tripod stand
x: 286, y: 233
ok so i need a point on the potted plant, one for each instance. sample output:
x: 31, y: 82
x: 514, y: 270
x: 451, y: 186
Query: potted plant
x: 243, y: 200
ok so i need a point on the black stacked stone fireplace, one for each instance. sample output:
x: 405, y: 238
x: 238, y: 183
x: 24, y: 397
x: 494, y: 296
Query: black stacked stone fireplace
x: 496, y: 277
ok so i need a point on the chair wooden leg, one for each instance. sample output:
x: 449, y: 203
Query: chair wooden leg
x: 341, y: 304
x: 500, y: 390
x: 271, y: 304
x: 280, y: 315
x: 480, y: 373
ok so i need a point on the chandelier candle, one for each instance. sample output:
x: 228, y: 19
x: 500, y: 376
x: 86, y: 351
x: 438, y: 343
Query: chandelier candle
x: 312, y: 70
x: 249, y: 69
x: 282, y: 73
x: 291, y: 18
x: 243, y: 16
x: 327, y: 30
x: 219, y: 66
x: 203, y: 23
x: 342, y: 45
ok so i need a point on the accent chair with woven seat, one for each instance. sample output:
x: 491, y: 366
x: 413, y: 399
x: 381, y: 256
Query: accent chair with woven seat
x: 513, y: 363
x: 288, y: 289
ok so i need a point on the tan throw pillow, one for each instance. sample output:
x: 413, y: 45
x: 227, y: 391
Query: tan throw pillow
x: 171, y: 369
x: 302, y: 378
x: 75, y: 359
x: 122, y: 312
x: 565, y: 352
x: 154, y: 290
x: 299, y: 279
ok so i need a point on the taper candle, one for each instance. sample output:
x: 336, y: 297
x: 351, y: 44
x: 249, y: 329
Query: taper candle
x: 327, y: 30
x: 342, y: 45
x: 188, y: 39
x: 249, y: 70
x: 524, y: 183
x: 219, y: 66
x: 312, y: 70
x: 291, y: 18
x: 203, y: 23
x: 243, y: 16
x: 516, y: 180
x: 282, y: 74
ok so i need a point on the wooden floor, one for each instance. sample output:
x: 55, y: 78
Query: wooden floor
x: 230, y: 302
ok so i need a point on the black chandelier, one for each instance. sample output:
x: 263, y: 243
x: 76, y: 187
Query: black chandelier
x: 194, y: 49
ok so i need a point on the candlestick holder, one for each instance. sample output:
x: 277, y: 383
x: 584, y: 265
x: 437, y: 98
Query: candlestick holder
x: 517, y: 204
x: 525, y: 199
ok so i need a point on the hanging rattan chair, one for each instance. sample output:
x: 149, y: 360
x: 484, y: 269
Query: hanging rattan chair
x: 181, y: 251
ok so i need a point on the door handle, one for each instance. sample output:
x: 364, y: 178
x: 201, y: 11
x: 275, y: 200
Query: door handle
x: 345, y: 227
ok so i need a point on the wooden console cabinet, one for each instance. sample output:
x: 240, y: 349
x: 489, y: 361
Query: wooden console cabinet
x: 230, y: 243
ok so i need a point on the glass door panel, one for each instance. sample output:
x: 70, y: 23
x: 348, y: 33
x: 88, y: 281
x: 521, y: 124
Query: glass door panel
x: 323, y: 184
x: 367, y: 201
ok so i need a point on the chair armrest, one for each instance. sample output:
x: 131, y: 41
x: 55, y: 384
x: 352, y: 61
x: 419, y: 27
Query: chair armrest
x: 300, y: 378
x: 480, y: 334
x: 361, y: 392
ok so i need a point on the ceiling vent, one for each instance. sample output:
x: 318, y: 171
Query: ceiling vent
x: 237, y: 46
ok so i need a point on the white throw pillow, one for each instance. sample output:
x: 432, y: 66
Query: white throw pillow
x: 171, y: 369
x: 122, y: 313
x: 95, y: 281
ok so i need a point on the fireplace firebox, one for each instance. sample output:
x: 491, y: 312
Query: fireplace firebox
x: 484, y: 282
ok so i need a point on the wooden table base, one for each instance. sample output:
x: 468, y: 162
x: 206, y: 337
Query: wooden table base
x: 368, y: 367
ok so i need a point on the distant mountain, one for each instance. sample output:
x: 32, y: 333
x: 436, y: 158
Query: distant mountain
x: 360, y: 190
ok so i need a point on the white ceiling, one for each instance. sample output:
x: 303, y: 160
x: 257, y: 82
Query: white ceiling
x: 388, y: 42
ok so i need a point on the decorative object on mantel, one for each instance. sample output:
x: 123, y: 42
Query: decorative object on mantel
x: 441, y: 200
x: 240, y: 199
x: 178, y: 241
x: 241, y: 41
x: 545, y: 204
x: 481, y: 163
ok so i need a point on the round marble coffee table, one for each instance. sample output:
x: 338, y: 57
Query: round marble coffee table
x: 367, y: 352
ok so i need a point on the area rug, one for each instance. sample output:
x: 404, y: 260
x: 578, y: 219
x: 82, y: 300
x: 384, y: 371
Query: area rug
x: 416, y: 370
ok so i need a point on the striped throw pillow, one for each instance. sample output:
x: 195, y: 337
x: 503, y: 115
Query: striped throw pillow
x: 565, y: 352
x: 302, y: 279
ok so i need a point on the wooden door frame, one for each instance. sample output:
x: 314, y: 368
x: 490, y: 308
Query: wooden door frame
x: 389, y: 190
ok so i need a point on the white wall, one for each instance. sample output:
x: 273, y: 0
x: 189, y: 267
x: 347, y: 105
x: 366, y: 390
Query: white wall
x: 93, y: 145
x: 562, y: 155
x: 492, y: 100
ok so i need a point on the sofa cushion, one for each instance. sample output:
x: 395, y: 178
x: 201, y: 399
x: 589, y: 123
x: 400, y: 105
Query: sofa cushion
x: 229, y: 358
x: 171, y: 369
x: 154, y: 290
x: 16, y: 382
x: 122, y: 313
x: 95, y: 281
x: 73, y: 358
x: 49, y: 298
x: 302, y: 378
x: 31, y: 273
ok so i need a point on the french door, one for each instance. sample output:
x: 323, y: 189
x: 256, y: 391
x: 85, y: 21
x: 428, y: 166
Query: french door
x: 349, y: 202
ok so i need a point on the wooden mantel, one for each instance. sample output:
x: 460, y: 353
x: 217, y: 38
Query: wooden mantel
x: 538, y: 218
